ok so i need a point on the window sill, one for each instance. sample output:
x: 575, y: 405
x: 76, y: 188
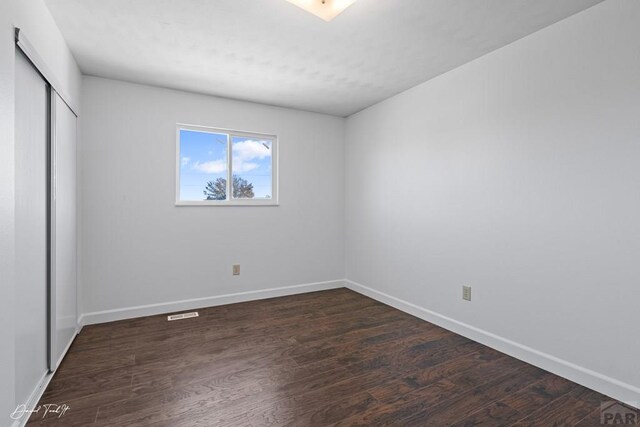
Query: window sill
x: 247, y: 203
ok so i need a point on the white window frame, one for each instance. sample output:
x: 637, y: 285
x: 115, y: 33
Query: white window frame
x: 273, y: 201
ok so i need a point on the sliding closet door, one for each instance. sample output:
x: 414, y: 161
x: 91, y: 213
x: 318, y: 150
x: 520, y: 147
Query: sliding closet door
x: 63, y: 219
x: 32, y: 192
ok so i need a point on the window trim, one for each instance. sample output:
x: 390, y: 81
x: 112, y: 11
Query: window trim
x: 273, y: 201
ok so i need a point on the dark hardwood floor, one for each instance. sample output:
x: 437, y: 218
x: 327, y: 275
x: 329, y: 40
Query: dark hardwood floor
x: 323, y: 358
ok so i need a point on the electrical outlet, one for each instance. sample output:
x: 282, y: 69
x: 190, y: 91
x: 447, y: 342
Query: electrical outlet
x: 236, y: 269
x: 466, y: 293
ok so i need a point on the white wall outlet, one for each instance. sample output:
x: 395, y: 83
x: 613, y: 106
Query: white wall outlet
x: 466, y: 293
x: 236, y: 269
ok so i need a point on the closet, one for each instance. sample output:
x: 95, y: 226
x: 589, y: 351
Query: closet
x: 46, y: 221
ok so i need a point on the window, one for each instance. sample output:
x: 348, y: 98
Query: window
x: 218, y: 167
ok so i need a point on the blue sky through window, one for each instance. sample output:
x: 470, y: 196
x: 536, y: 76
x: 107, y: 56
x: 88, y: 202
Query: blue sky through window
x: 251, y: 160
x: 203, y: 158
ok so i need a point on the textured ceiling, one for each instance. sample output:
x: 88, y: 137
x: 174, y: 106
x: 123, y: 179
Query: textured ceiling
x: 272, y: 52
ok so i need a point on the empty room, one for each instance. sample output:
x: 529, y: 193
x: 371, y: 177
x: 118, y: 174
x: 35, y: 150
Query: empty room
x: 319, y: 213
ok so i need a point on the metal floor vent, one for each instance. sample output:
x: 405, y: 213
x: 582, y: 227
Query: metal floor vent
x: 182, y: 316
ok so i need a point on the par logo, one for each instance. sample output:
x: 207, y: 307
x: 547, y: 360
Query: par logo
x: 615, y: 413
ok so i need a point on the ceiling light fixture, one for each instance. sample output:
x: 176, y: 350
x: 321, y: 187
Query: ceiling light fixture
x: 324, y: 9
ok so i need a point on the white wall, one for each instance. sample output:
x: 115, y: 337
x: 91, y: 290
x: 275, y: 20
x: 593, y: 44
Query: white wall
x: 137, y: 248
x: 34, y: 18
x: 518, y: 174
x: 7, y: 213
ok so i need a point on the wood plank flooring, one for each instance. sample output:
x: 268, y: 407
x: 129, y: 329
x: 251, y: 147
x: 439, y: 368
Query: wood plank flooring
x: 316, y: 359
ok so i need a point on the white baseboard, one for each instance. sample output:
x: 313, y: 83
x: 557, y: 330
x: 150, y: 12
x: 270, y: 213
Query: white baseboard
x: 190, y: 304
x: 67, y: 346
x: 33, y: 399
x: 608, y: 386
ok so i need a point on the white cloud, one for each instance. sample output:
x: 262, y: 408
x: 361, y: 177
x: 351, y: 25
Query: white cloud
x: 246, y: 157
x: 246, y: 151
x: 240, y: 166
x: 249, y: 150
x: 214, y: 166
